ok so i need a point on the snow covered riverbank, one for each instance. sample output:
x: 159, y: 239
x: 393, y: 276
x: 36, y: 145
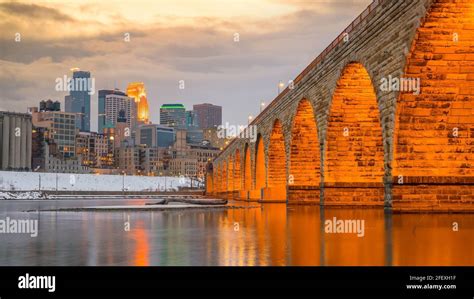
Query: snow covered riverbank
x: 23, y: 195
x: 33, y: 181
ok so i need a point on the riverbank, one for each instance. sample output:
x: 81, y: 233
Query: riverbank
x: 145, y: 208
x: 69, y: 195
x: 66, y: 182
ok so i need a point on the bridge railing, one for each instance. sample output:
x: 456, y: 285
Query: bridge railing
x: 340, y: 38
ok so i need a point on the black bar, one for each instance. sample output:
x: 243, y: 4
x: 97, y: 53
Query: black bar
x: 244, y: 282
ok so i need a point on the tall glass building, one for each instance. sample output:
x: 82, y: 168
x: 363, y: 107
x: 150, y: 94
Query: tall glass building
x: 156, y: 135
x: 173, y: 115
x: 79, y: 99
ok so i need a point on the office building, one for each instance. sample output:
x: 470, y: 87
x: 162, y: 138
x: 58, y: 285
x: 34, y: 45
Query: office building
x: 116, y: 102
x: 212, y: 136
x: 60, y: 126
x: 92, y: 148
x: 173, y: 115
x: 208, y: 115
x: 122, y: 134
x: 79, y: 99
x: 57, y: 164
x: 136, y: 90
x: 49, y: 106
x: 102, y: 124
x: 191, y: 120
x: 153, y: 135
x: 194, y: 136
x: 16, y: 138
x: 189, y: 160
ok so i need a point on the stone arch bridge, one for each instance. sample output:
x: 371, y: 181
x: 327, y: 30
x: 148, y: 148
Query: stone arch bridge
x: 384, y: 116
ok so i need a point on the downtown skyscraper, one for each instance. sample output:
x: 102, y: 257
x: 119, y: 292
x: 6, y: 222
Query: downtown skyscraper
x: 173, y: 115
x: 79, y: 99
x: 208, y: 115
x: 102, y: 123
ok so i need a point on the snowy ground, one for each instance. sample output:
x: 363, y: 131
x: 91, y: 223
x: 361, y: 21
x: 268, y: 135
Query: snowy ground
x: 33, y: 181
x: 23, y: 195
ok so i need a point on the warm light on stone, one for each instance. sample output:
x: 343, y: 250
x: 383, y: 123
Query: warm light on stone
x: 237, y: 172
x: 434, y: 134
x: 260, y: 172
x: 385, y: 118
x: 137, y: 91
x: 304, y: 176
x: 247, y: 171
x: 354, y: 143
x: 276, y: 164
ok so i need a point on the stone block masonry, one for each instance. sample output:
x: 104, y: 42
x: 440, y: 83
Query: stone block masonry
x: 339, y: 138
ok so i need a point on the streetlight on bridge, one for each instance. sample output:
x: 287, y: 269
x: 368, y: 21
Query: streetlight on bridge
x: 281, y: 85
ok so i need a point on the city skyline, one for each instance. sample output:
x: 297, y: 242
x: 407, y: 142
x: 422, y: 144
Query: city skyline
x: 217, y: 48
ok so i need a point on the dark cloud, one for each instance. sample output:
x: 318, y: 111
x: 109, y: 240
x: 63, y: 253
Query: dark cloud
x: 200, y: 51
x: 33, y: 11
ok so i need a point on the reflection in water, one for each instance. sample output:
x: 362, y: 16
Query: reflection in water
x: 304, y: 236
x: 142, y: 250
x: 430, y: 240
x: 272, y: 234
x: 349, y: 249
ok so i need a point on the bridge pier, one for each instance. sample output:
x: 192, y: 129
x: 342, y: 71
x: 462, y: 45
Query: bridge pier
x: 304, y: 195
x: 255, y: 195
x: 354, y: 194
x: 274, y: 194
x: 433, y: 194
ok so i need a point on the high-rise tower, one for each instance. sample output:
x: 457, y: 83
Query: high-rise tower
x: 136, y: 90
x: 79, y: 99
x: 208, y: 115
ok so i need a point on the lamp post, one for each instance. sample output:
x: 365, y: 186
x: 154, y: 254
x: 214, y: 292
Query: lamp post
x: 280, y: 87
x: 262, y: 106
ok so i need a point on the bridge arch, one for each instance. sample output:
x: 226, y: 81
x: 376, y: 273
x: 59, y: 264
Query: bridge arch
x: 304, y: 167
x: 260, y: 171
x: 247, y: 168
x: 224, y: 176
x: 354, y: 155
x: 277, y: 178
x: 217, y: 179
x: 209, y: 180
x: 230, y: 174
x: 237, y: 172
x: 434, y: 128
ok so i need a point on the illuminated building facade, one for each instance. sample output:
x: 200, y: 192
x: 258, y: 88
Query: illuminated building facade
x: 92, y: 147
x: 136, y: 90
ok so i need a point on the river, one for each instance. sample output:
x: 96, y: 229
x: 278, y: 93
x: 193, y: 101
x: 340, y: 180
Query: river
x: 270, y: 235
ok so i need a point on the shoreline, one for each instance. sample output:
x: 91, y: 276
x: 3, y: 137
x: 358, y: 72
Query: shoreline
x: 146, y: 208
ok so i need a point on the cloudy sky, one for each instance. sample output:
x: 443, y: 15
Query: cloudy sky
x: 170, y: 40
